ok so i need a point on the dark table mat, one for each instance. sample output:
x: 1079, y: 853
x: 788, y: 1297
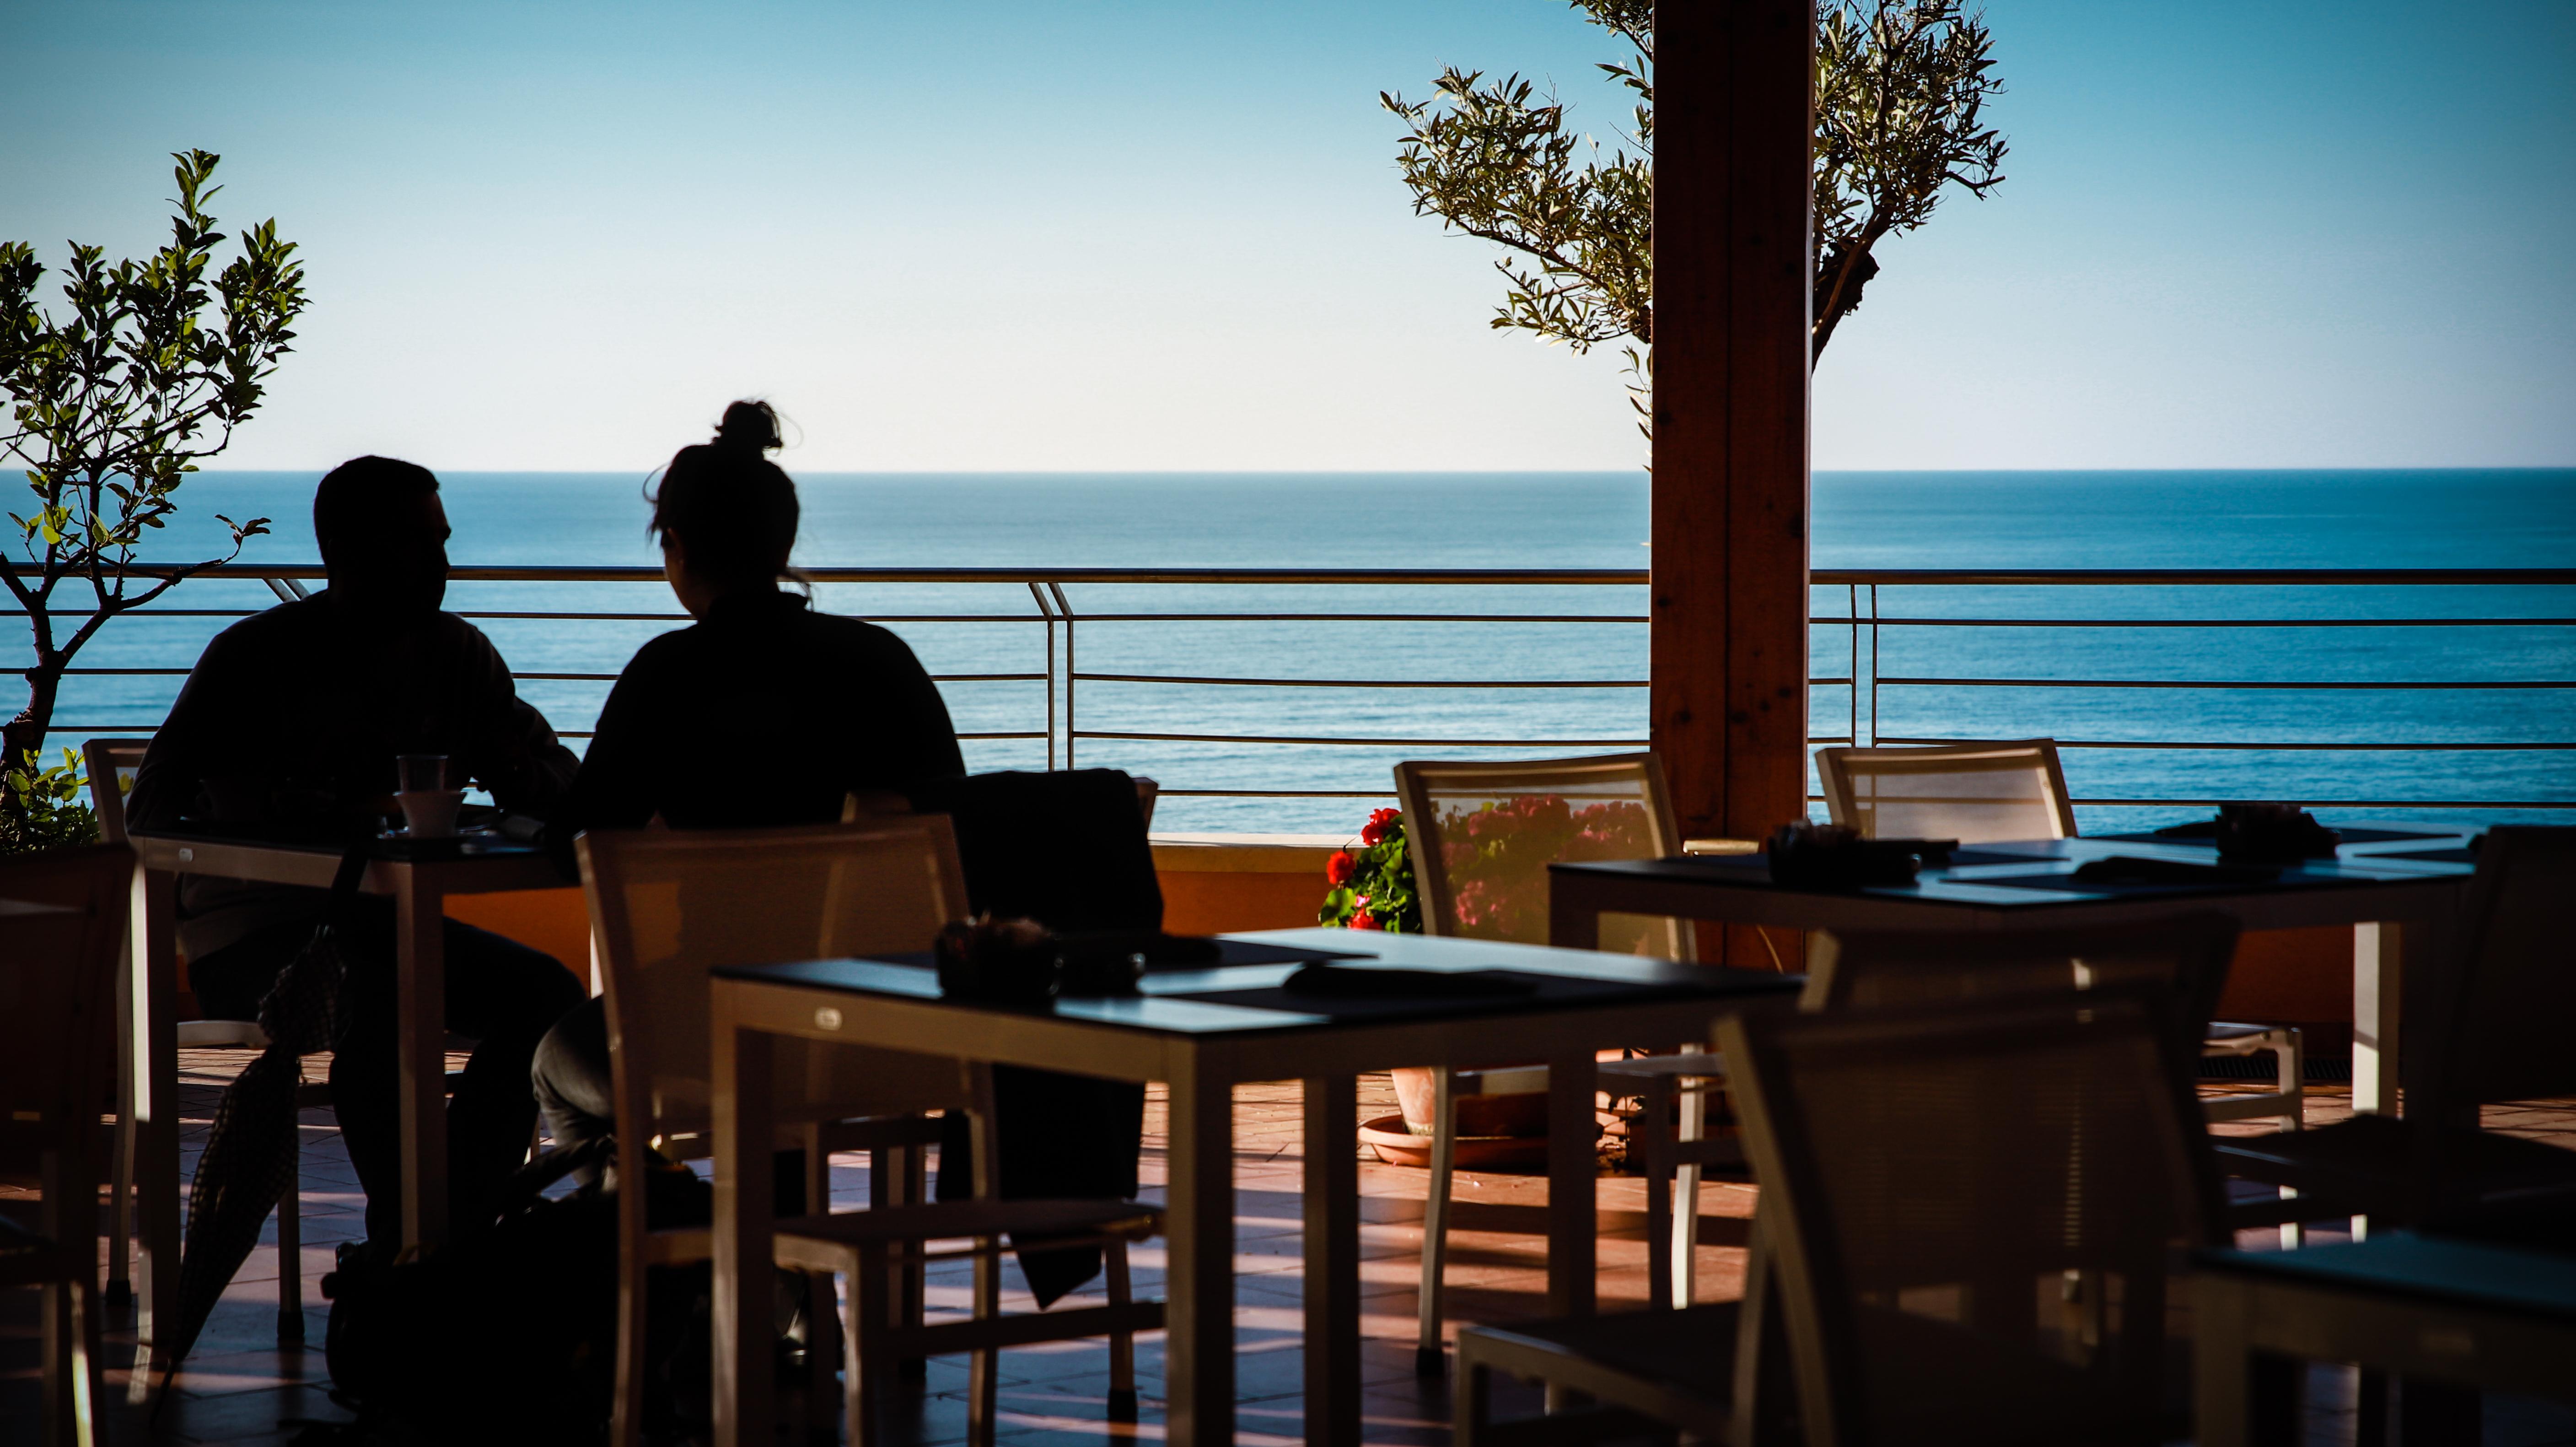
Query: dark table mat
x: 2201, y: 832
x: 2067, y: 883
x: 1230, y: 953
x: 2430, y: 856
x: 1553, y: 991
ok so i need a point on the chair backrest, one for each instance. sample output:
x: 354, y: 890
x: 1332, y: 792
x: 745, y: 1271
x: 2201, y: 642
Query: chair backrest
x: 1481, y: 836
x: 1974, y: 793
x: 2183, y: 961
x: 669, y: 905
x: 1928, y: 1179
x: 2500, y: 1028
x: 62, y: 920
x: 111, y: 764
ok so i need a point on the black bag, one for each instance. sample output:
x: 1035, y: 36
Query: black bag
x: 513, y: 1335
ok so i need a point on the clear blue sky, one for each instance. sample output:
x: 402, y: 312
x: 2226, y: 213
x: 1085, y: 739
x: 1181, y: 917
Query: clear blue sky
x: 1040, y: 235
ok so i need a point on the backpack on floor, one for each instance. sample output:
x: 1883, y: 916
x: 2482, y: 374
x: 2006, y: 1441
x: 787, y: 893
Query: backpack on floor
x: 512, y: 1335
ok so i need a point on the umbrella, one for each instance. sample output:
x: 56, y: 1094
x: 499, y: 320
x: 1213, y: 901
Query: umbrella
x: 250, y: 1150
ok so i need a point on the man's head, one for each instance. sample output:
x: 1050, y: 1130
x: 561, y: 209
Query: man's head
x: 383, y: 536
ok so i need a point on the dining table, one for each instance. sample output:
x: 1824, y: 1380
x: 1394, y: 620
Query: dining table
x: 418, y: 875
x: 1249, y: 1016
x: 2399, y: 886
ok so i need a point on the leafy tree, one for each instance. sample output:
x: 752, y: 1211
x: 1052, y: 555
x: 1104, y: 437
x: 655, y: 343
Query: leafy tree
x: 1900, y: 89
x: 111, y: 409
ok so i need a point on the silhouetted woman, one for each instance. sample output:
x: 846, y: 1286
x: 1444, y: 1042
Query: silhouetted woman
x: 764, y: 712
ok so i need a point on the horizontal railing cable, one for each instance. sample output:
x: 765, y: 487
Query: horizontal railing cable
x: 1057, y: 612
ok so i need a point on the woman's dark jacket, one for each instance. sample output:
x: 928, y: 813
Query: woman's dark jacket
x: 765, y: 712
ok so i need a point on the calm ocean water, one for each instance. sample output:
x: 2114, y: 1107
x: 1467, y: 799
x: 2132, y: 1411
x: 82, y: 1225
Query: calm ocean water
x: 2446, y: 519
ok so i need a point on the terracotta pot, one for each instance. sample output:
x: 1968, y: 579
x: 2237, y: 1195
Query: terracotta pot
x: 1478, y: 1115
x: 1400, y: 1147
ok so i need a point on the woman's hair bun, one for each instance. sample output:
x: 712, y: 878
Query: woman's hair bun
x: 751, y: 426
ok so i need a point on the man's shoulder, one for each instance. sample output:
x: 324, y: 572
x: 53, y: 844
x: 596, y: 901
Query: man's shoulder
x: 267, y: 627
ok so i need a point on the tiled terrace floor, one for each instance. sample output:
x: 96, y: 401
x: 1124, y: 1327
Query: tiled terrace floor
x: 239, y: 1388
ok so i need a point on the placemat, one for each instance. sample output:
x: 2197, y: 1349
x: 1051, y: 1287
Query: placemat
x: 2208, y: 828
x: 2429, y: 856
x: 1229, y: 953
x: 1550, y: 991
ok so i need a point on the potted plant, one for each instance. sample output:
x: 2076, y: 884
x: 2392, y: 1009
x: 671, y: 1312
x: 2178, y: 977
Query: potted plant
x: 1370, y: 886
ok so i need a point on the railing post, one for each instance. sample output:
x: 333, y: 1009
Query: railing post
x: 1064, y: 610
x: 1048, y: 687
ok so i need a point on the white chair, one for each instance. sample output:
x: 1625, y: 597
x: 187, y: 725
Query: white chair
x: 1480, y: 837
x: 1984, y: 793
x: 666, y: 907
x: 111, y: 764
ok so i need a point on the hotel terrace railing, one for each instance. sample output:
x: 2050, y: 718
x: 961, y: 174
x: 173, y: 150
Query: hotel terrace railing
x: 2520, y: 692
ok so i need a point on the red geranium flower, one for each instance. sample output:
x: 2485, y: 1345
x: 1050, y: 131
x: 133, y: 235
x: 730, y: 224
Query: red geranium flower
x: 1362, y: 919
x: 1339, y: 869
x: 1375, y: 829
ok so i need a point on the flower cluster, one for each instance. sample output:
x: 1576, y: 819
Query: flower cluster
x: 1497, y: 857
x: 1372, y: 885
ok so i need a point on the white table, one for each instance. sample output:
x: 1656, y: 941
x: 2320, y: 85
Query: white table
x: 2399, y: 905
x: 1201, y: 1050
x: 148, y: 1048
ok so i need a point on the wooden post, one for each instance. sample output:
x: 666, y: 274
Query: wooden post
x: 1728, y: 651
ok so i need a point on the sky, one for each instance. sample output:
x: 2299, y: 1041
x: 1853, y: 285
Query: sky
x: 1042, y: 235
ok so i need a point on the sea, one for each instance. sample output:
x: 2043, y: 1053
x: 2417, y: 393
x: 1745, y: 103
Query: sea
x: 1307, y: 749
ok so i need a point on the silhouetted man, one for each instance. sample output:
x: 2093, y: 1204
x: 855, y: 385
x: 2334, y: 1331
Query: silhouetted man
x: 291, y: 721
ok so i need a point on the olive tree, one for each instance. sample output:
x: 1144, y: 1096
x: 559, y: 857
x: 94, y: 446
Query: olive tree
x: 112, y: 406
x: 1900, y: 90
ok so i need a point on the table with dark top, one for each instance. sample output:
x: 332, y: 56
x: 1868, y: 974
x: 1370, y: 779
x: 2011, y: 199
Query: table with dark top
x: 418, y: 878
x: 1202, y: 1032
x: 2398, y: 884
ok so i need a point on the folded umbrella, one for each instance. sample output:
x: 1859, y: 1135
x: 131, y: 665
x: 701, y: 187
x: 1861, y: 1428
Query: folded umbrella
x: 250, y: 1150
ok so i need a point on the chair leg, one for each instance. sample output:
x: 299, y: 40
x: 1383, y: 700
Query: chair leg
x: 864, y: 1329
x: 983, y: 1374
x: 87, y: 1383
x: 2291, y: 1057
x: 626, y: 1415
x: 1468, y: 1412
x: 1651, y: 1129
x: 1122, y: 1345
x: 1686, y: 1179
x: 290, y: 1265
x: 913, y: 1279
x: 120, y: 1214
x: 1428, y: 1360
x: 823, y: 1354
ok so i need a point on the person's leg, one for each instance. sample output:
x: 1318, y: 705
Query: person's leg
x: 500, y: 992
x: 572, y: 1081
x: 230, y: 983
x: 365, y: 1086
x: 506, y: 996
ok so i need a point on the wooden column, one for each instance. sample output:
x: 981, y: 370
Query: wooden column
x: 1728, y: 652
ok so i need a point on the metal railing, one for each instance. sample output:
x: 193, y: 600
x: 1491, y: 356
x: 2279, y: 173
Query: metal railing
x: 1865, y: 628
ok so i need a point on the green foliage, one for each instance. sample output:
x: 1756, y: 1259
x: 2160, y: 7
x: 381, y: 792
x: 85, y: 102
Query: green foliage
x: 1494, y: 159
x: 1371, y: 886
x: 1900, y: 86
x: 113, y: 406
x: 41, y: 808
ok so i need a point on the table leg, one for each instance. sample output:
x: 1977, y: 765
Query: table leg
x: 1572, y: 1165
x: 1199, y: 1293
x: 421, y: 1056
x: 1332, y: 1263
x: 152, y: 1044
x: 1572, y: 923
x: 745, y: 1229
x: 2221, y: 1358
x: 2378, y: 987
